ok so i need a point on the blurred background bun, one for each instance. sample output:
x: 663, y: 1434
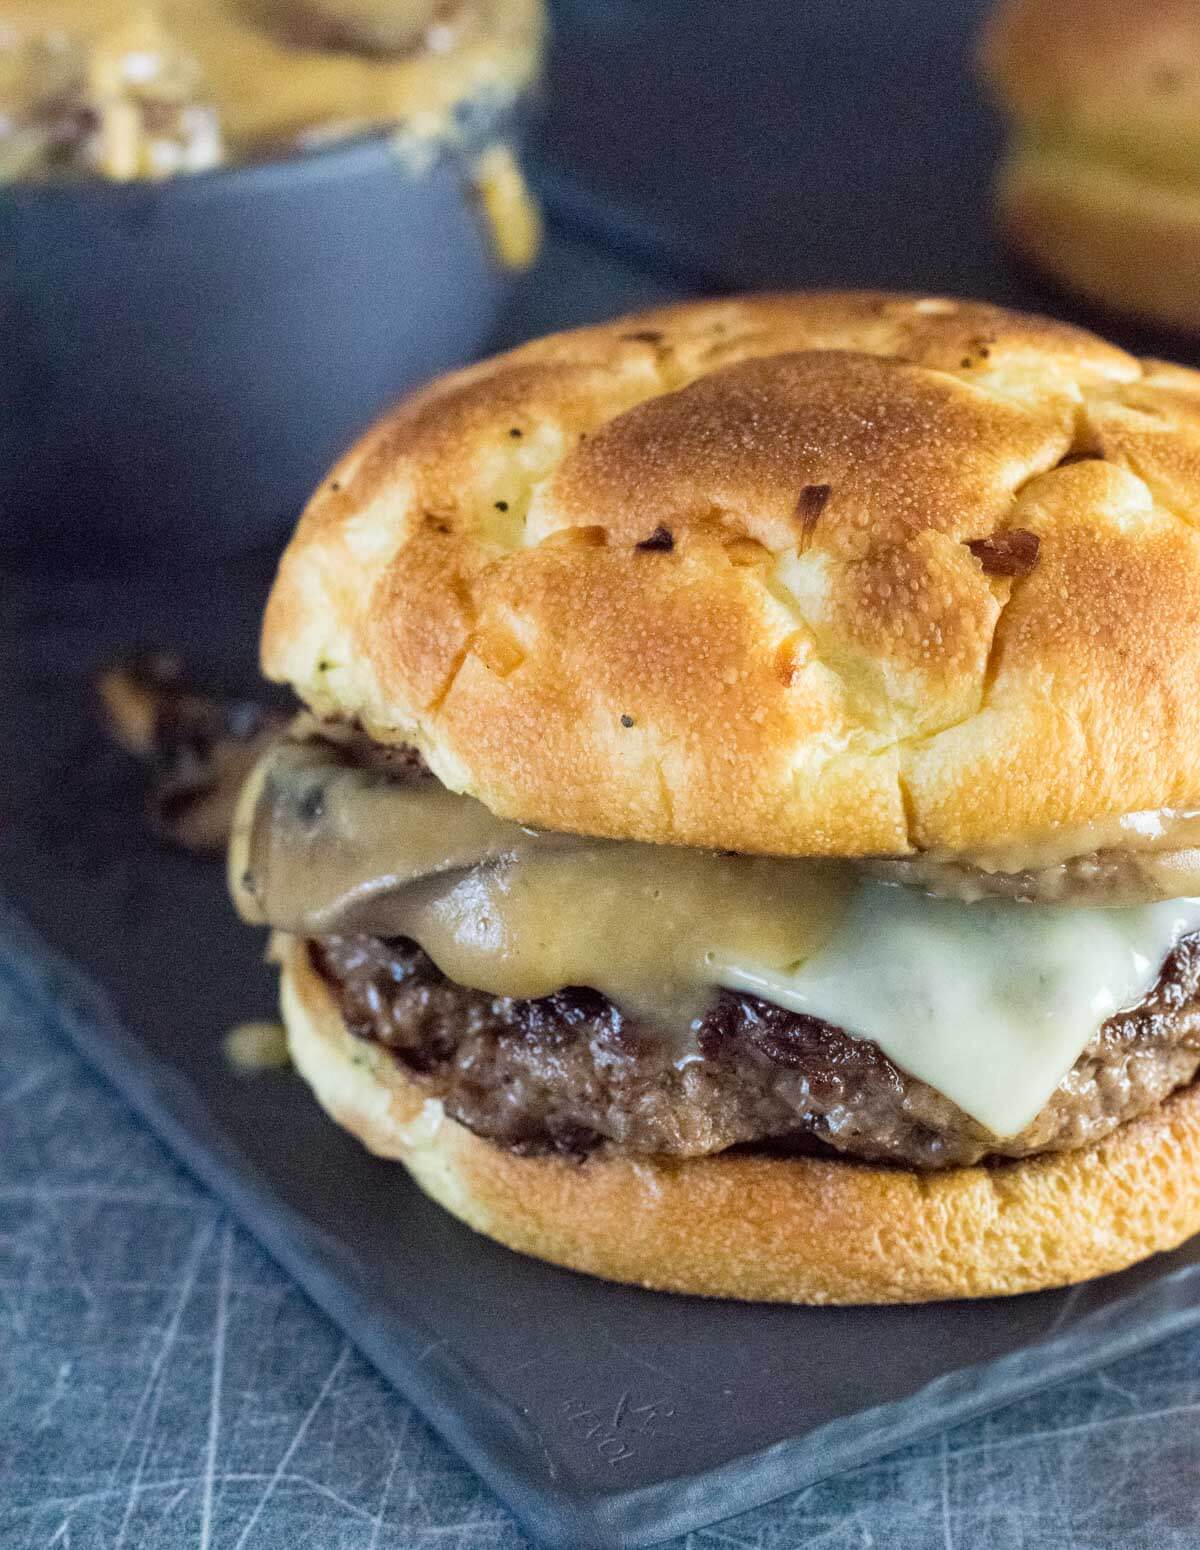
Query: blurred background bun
x: 1100, y: 188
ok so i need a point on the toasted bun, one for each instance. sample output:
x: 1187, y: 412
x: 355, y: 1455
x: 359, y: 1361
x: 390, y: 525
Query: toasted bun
x: 1100, y: 188
x: 732, y: 574
x: 761, y: 1228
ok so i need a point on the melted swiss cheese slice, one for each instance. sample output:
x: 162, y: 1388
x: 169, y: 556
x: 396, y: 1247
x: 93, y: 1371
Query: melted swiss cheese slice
x: 991, y: 1003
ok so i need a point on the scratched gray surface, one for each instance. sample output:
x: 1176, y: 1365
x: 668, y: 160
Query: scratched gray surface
x: 162, y: 1384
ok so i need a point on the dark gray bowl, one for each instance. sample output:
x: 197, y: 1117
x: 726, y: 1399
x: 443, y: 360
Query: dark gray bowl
x: 182, y: 361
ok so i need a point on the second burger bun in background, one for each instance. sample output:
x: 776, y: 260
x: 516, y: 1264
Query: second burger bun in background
x: 1100, y: 186
x: 634, y: 657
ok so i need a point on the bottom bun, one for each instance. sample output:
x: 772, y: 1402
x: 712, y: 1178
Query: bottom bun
x: 1106, y: 231
x: 760, y: 1228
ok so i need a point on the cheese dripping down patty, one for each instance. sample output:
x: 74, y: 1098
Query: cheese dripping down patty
x: 991, y: 1002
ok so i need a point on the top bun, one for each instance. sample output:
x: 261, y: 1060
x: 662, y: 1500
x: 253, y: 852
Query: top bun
x: 1118, y: 77
x: 810, y: 574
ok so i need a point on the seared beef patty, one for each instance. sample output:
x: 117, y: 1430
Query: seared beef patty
x: 570, y: 1073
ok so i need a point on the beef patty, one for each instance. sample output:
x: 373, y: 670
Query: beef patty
x: 570, y: 1073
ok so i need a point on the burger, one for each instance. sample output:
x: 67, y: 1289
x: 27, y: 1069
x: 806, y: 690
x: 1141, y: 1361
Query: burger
x: 743, y: 837
x: 1099, y: 188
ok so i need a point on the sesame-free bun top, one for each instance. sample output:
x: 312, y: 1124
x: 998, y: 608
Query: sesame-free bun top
x: 829, y: 574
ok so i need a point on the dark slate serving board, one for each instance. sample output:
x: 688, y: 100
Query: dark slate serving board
x: 604, y: 1416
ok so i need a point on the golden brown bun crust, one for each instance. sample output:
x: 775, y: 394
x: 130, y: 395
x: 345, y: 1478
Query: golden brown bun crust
x: 769, y: 1229
x: 820, y: 663
x: 1100, y: 189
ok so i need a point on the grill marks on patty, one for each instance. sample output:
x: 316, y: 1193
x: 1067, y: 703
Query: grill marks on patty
x: 569, y: 1073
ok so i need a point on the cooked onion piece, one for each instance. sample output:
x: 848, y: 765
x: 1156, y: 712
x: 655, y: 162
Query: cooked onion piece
x: 199, y: 748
